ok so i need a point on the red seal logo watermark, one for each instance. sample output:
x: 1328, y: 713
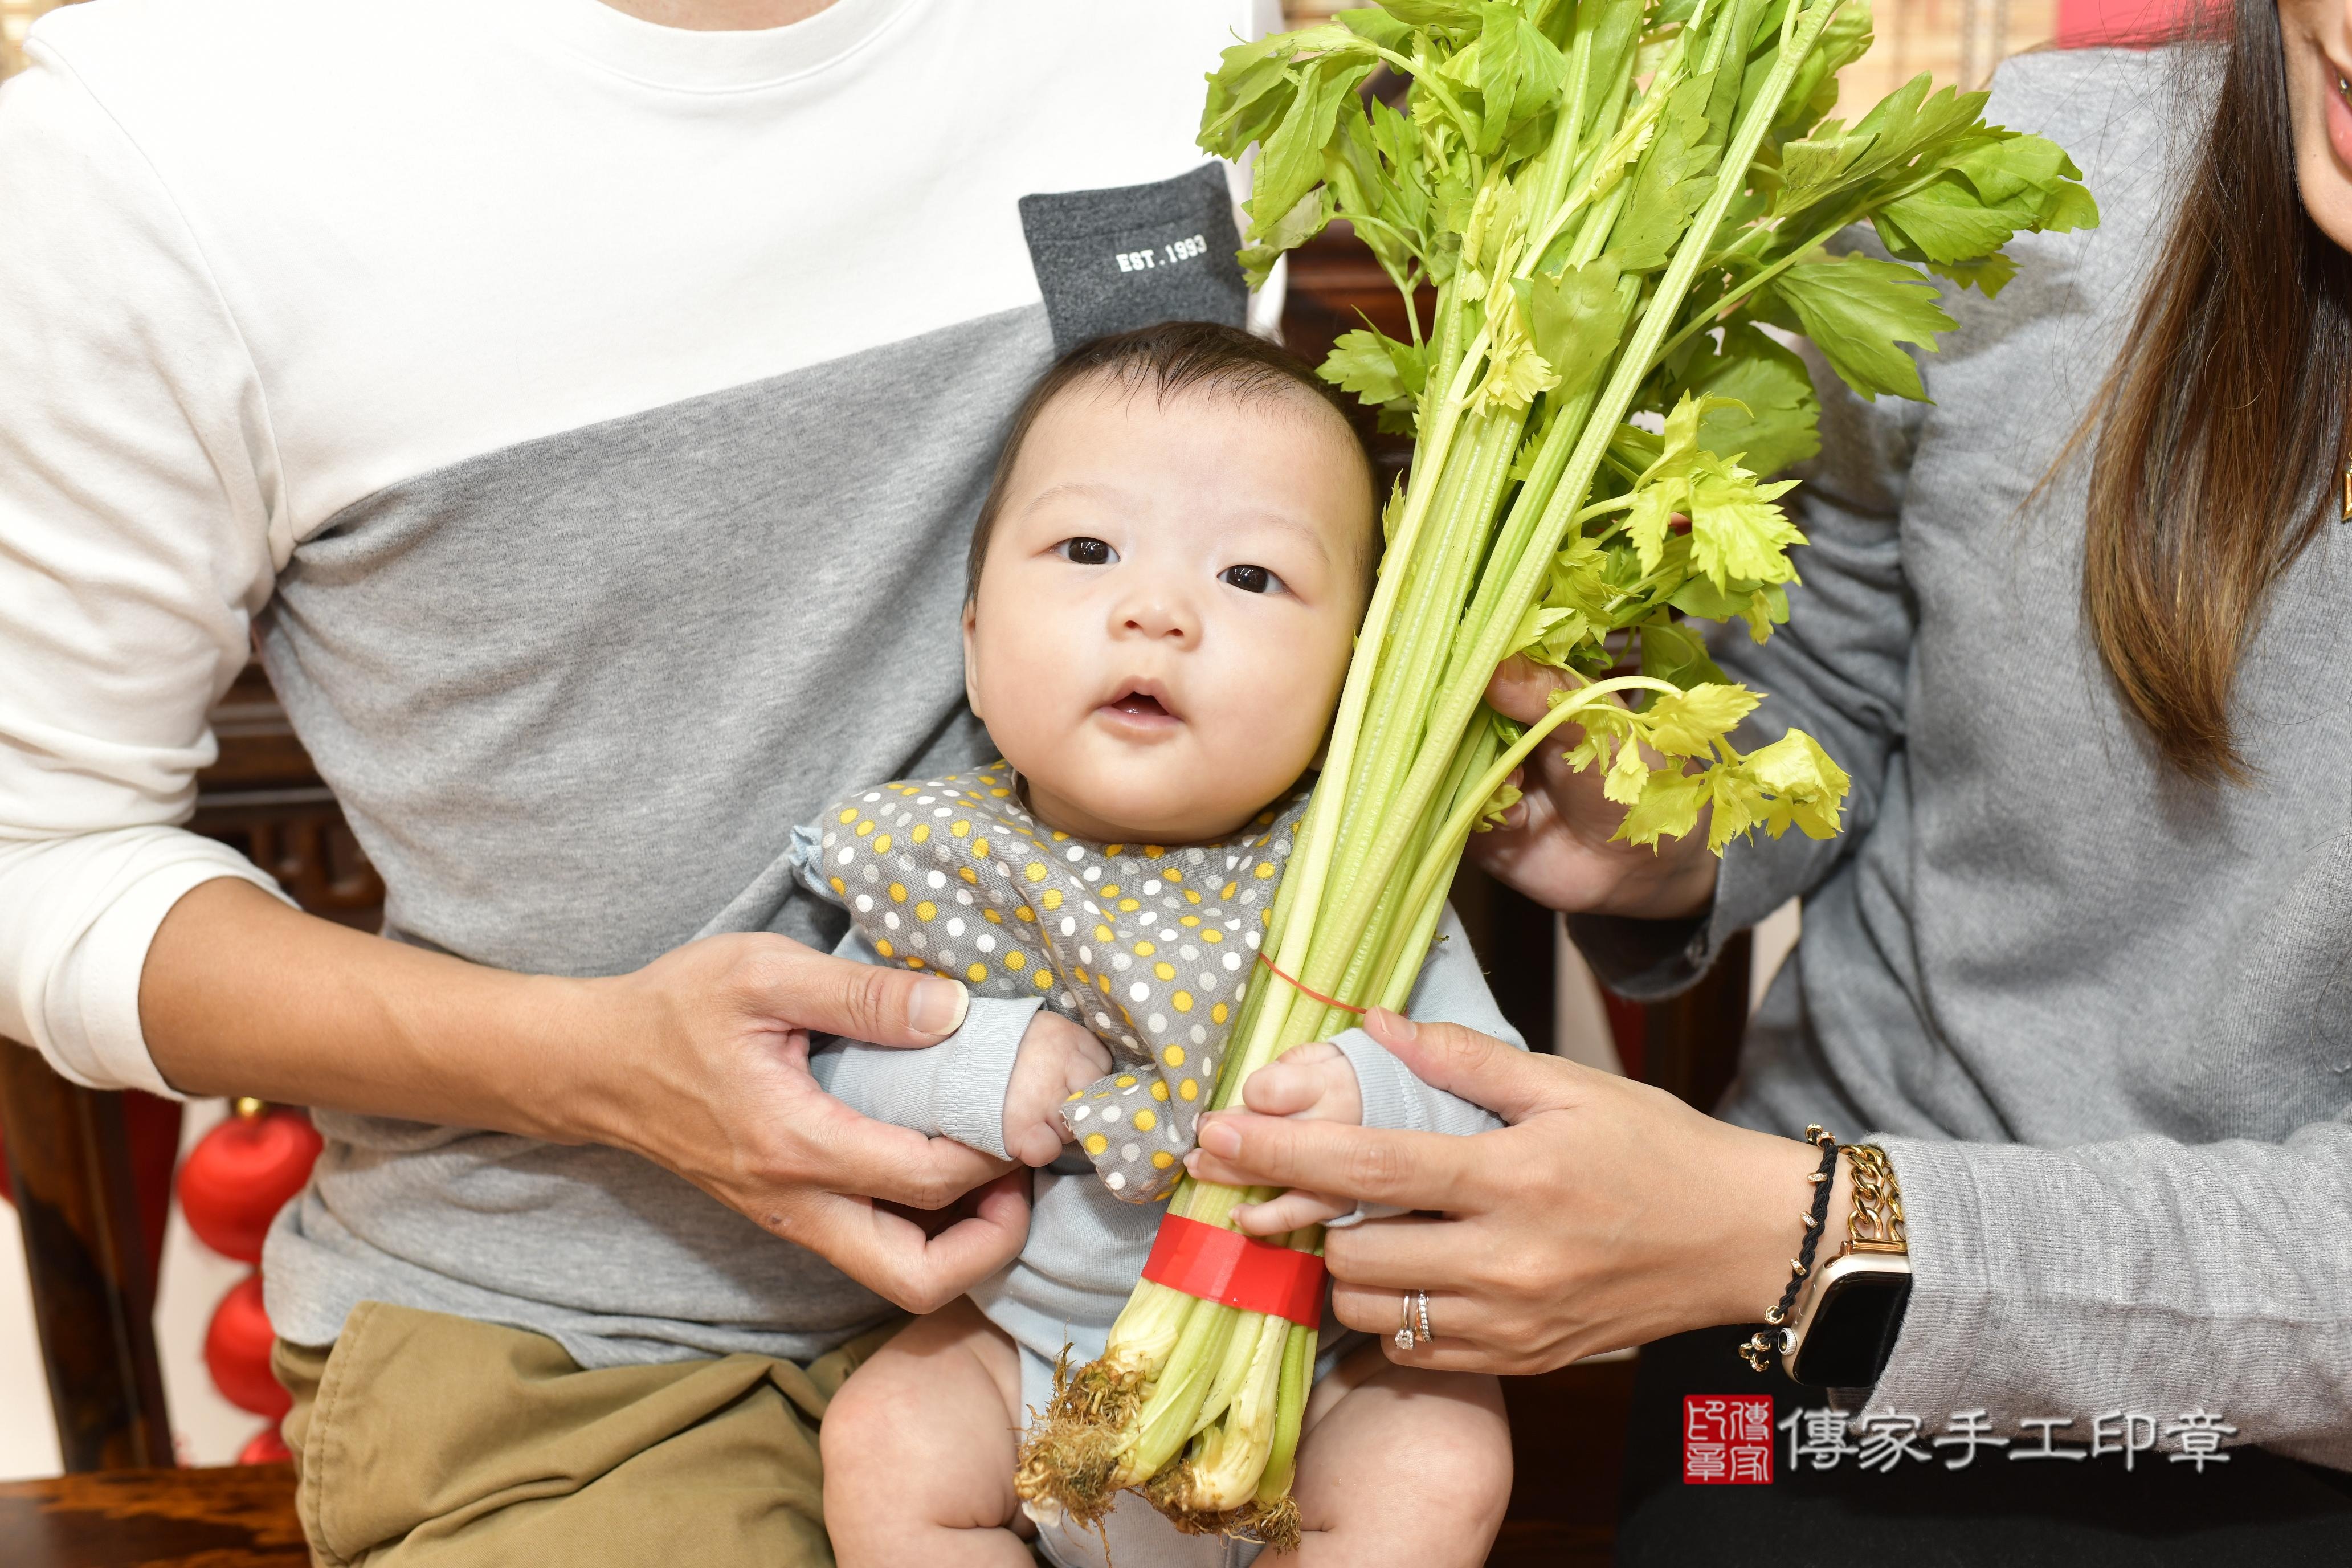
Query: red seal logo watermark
x: 1727, y: 1439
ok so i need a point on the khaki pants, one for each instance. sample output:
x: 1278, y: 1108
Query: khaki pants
x: 427, y: 1441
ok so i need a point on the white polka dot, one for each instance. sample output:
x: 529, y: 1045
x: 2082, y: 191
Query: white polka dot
x: 985, y: 942
x: 938, y: 878
x: 865, y: 902
x: 1093, y: 908
x: 1115, y: 1180
x: 1188, y: 952
x: 939, y: 851
x: 944, y: 811
x: 830, y: 839
x: 1112, y: 1112
x: 1139, y: 992
x: 872, y: 795
x: 1131, y: 1151
x: 1069, y: 924
x: 905, y: 818
x: 947, y: 958
x: 1156, y: 1023
x: 873, y: 872
x: 1153, y: 886
x: 1081, y: 1112
x: 955, y: 927
x: 918, y: 939
x: 1250, y: 896
x: 845, y: 856
x: 1002, y: 870
x: 925, y: 799
x: 1075, y: 855
x: 1192, y: 856
x: 1122, y: 962
x: 1200, y: 1036
x: 1148, y: 917
x: 890, y: 919
x: 1133, y: 1044
x: 1069, y: 1001
x: 1208, y: 981
x: 1128, y: 868
x: 1231, y: 861
x: 1233, y: 960
x: 1251, y: 939
x: 1282, y: 846
x: 1093, y: 874
x: 1232, y: 925
x: 963, y: 897
x: 1102, y: 1020
x: 1085, y: 953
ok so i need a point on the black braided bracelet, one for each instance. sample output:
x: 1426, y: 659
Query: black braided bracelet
x: 1758, y: 1348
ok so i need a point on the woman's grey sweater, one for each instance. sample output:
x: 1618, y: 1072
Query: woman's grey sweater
x: 2100, y: 1019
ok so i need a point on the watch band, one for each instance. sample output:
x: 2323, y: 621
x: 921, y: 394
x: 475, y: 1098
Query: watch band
x: 1876, y: 1222
x: 1851, y: 1315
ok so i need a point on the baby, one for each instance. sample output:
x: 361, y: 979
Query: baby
x: 1164, y: 589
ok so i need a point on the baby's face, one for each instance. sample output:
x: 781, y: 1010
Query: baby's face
x: 1167, y: 606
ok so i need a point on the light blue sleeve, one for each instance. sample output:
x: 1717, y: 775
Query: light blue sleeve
x: 953, y: 1089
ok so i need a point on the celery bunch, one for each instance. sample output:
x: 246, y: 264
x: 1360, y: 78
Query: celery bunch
x: 1607, y: 197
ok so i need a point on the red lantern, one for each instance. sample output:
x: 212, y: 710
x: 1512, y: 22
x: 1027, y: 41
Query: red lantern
x: 242, y: 1172
x: 236, y: 1353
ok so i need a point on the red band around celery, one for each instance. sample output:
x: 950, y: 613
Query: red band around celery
x: 1220, y: 1265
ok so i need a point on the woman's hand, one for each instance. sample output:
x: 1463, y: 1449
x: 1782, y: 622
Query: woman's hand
x: 698, y: 1062
x: 1607, y: 1214
x: 1556, y: 844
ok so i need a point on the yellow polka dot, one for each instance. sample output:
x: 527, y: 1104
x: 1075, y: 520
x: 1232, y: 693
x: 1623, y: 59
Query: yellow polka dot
x: 1265, y: 869
x: 976, y: 972
x: 1145, y: 949
x: 1083, y: 978
x: 882, y: 948
x: 1190, y: 897
x: 1037, y: 873
x: 898, y: 892
x: 1074, y: 1094
x: 1059, y: 837
x: 1165, y: 971
x: 1145, y: 1122
x: 1125, y: 1081
x: 1217, y: 1014
x: 992, y: 917
x: 1053, y: 900
x: 967, y: 873
x: 1096, y: 1142
x: 1161, y: 1159
x: 882, y: 845
x: 1128, y: 906
x: 838, y: 887
x: 1102, y: 984
x: 1172, y: 875
x: 1181, y: 1000
x: 1190, y: 920
x: 1025, y: 914
x: 865, y: 828
x: 1189, y: 1090
x: 926, y: 909
x: 1110, y: 889
x: 979, y: 848
x: 921, y: 835
x: 1113, y: 848
x: 1229, y: 890
x: 1174, y: 1056
x: 1154, y: 851
x: 1102, y: 934
x: 961, y: 829
x: 1158, y: 1092
x: 914, y: 963
x: 1266, y: 917
x: 850, y: 814
x: 1126, y: 1015
x: 1000, y: 792
x: 1016, y: 961
x: 1045, y: 979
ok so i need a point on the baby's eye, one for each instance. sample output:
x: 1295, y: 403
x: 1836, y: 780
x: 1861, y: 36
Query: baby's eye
x: 1250, y: 579
x: 1085, y: 551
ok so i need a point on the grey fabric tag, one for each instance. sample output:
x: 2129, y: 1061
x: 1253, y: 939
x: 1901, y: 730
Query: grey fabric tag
x: 1112, y: 260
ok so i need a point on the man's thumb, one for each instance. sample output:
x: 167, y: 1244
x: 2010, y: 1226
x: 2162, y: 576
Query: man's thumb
x: 884, y: 1006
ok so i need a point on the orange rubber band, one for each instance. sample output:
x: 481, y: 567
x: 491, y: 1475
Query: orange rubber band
x: 1306, y: 991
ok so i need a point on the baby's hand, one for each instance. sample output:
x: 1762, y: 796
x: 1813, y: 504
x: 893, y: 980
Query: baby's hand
x: 1057, y: 1059
x: 1314, y: 1083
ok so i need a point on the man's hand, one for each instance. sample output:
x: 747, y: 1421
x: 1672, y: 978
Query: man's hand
x: 706, y: 1072
x: 1057, y: 1059
x: 1556, y: 844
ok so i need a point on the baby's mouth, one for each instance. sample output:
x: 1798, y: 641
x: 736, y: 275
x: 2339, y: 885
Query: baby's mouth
x: 1138, y: 706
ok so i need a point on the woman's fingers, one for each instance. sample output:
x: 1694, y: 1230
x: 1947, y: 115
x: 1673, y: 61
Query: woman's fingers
x: 883, y: 1004
x: 893, y: 1257
x: 1512, y: 1083
x: 1410, y: 1170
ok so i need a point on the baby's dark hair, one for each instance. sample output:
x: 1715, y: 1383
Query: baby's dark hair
x: 1168, y: 359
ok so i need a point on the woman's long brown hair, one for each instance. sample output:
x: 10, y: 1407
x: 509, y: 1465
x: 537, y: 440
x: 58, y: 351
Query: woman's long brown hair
x: 2221, y: 431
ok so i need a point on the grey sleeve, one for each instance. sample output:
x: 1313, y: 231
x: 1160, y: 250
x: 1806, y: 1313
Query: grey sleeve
x: 2141, y: 1276
x: 1838, y: 670
x: 953, y: 1089
x: 1451, y: 990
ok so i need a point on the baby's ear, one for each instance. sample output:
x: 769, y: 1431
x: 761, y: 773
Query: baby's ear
x: 971, y: 665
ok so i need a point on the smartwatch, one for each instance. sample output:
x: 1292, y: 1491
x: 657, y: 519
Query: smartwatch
x: 1844, y: 1331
